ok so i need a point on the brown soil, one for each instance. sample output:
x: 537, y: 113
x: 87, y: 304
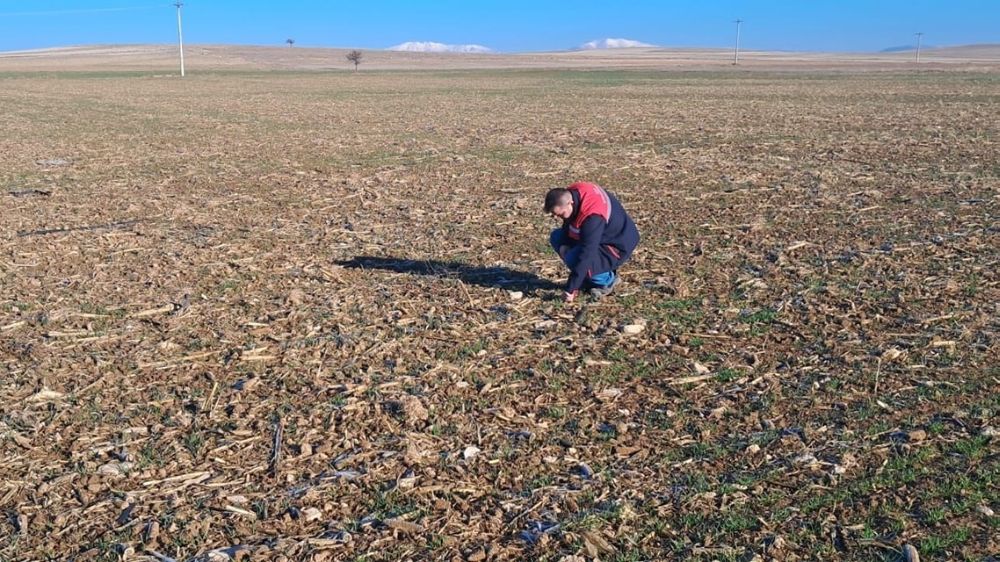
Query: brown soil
x: 313, y: 316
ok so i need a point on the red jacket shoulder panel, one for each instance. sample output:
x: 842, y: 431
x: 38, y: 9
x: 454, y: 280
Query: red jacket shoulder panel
x: 593, y: 201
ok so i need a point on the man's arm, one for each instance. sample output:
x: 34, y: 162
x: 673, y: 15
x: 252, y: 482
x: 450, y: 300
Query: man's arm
x: 591, y: 233
x: 568, y: 242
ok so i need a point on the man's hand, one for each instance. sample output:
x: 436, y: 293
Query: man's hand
x: 569, y: 296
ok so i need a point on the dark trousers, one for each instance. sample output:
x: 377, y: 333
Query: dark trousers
x: 559, y: 238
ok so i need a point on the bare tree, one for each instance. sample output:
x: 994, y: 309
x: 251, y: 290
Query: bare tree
x: 290, y: 42
x: 355, y: 57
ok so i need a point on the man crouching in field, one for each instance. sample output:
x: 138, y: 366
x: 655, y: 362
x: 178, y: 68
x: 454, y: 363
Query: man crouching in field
x: 597, y: 236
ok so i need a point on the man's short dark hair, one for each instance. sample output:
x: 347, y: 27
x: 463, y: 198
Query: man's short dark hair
x: 555, y: 197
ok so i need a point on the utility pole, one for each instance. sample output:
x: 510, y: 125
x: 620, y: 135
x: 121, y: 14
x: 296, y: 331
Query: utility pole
x: 180, y: 35
x: 736, y: 53
x: 919, y: 36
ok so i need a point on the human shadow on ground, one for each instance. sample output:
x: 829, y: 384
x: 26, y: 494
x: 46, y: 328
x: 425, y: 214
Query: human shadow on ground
x: 495, y: 277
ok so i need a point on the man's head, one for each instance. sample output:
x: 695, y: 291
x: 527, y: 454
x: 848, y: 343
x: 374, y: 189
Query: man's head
x: 559, y: 203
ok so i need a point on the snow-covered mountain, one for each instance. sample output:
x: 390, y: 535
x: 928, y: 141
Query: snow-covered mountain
x: 431, y: 47
x: 610, y: 43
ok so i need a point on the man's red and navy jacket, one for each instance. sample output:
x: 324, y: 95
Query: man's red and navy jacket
x: 603, y: 230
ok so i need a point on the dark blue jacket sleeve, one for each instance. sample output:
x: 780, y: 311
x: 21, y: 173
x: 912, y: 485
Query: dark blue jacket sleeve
x: 591, y: 233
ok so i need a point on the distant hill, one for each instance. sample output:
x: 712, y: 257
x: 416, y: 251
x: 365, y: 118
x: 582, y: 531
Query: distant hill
x: 163, y: 59
x: 979, y: 51
x: 990, y: 51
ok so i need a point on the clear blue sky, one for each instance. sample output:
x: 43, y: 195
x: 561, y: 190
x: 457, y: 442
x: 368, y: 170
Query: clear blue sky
x: 504, y: 25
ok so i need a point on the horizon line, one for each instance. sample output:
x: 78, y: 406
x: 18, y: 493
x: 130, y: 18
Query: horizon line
x: 887, y: 50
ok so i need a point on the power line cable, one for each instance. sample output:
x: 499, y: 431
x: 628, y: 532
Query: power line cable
x: 86, y: 11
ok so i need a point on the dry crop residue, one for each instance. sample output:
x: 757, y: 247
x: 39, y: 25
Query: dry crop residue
x: 314, y: 317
